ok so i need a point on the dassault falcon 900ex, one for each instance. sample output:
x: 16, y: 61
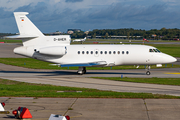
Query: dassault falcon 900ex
x: 57, y: 49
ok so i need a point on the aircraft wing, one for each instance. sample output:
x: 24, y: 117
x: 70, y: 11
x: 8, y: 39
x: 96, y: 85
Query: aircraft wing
x: 91, y: 64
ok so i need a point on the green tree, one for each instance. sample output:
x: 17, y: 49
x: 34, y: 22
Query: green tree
x: 128, y: 35
x: 94, y: 36
x: 107, y: 35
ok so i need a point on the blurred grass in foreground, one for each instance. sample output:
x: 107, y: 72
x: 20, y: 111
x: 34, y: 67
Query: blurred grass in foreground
x: 10, y: 88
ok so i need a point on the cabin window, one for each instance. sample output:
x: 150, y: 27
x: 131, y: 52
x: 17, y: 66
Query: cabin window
x: 127, y: 52
x: 87, y: 52
x: 109, y: 52
x: 96, y: 52
x: 118, y: 52
x: 114, y: 52
x: 122, y: 52
x: 105, y: 52
x: 78, y: 52
x: 82, y: 52
x: 91, y: 52
x: 101, y: 52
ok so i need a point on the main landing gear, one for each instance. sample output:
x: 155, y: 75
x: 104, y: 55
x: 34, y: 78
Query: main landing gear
x: 81, y: 70
x: 148, y: 70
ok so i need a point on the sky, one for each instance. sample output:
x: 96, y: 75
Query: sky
x: 60, y: 15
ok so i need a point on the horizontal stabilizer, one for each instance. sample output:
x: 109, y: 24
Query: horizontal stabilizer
x: 92, y: 64
x: 21, y: 37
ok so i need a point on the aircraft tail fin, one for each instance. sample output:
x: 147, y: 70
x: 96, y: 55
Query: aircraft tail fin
x: 25, y: 26
x: 32, y: 36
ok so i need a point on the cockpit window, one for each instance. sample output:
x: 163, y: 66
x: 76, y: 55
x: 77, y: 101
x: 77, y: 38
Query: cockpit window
x: 154, y: 50
x: 150, y: 50
x: 158, y: 50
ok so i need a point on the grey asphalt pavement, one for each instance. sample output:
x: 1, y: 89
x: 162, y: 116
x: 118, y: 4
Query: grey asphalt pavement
x: 6, y: 50
x: 95, y: 109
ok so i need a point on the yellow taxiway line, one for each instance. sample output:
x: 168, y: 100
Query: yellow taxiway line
x: 172, y: 73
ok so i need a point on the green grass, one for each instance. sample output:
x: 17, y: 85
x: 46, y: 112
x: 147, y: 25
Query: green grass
x: 28, y: 63
x: 37, y: 64
x: 10, y: 88
x: 10, y: 41
x: 162, y: 81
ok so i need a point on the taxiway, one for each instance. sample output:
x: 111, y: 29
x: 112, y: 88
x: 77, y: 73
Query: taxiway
x: 95, y: 109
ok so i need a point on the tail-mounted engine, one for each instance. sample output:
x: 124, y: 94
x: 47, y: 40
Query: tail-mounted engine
x: 53, y: 50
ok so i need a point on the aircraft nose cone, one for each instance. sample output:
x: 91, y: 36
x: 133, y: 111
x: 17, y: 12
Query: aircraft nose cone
x: 170, y: 59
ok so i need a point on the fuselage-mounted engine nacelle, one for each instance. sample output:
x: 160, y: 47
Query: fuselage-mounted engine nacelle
x: 54, y: 50
x: 48, y: 51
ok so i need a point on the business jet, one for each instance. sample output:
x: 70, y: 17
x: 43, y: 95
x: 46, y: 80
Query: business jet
x: 79, y: 40
x: 57, y: 50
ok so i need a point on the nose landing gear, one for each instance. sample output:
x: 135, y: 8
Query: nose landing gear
x: 148, y: 73
x: 148, y: 70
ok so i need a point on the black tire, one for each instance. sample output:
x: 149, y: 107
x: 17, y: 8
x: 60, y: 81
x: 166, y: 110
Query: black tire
x: 148, y: 73
x: 84, y: 72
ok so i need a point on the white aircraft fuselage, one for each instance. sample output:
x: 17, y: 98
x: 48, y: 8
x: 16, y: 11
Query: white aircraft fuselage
x: 114, y: 55
x: 57, y: 49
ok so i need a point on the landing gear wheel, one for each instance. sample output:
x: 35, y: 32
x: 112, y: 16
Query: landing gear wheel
x: 148, y: 73
x: 81, y: 70
x: 80, y: 73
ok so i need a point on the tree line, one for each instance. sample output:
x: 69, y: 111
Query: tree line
x: 5, y: 34
x: 163, y: 33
